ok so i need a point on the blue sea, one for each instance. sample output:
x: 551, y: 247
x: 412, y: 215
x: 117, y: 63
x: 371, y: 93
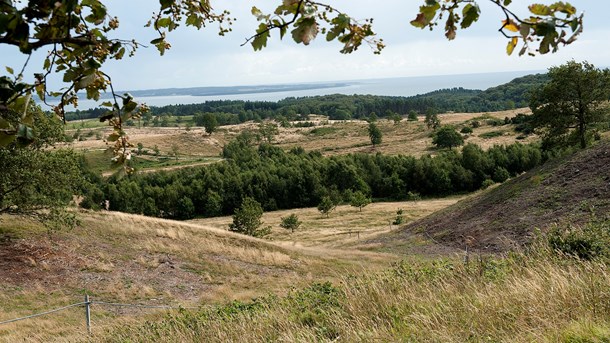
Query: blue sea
x: 401, y: 86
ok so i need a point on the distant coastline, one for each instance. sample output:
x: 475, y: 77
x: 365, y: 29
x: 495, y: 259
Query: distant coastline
x: 399, y: 86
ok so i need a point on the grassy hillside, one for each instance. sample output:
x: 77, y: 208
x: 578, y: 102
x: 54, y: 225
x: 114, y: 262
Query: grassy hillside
x: 572, y: 189
x: 525, y: 298
x: 128, y: 258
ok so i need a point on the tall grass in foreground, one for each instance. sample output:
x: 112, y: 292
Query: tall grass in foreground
x: 534, y: 297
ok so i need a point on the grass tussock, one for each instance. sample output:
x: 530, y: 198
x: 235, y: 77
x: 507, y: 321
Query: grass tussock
x: 540, y: 297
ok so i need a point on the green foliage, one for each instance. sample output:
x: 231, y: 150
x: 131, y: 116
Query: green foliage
x: 358, y: 199
x: 296, y: 179
x: 326, y: 206
x: 247, y: 219
x: 491, y: 134
x: 208, y: 121
x: 466, y: 130
x: 412, y: 116
x: 447, y: 137
x: 291, y: 222
x: 375, y: 134
x: 432, y: 121
x: 399, y: 218
x: 548, y: 24
x: 591, y: 241
x: 566, y: 109
x: 500, y: 174
x: 268, y: 131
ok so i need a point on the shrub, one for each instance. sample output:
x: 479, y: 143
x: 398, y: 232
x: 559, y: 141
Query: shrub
x: 588, y: 242
x: 500, y: 174
x: 487, y: 183
x: 291, y: 222
x: 466, y: 130
x: 491, y: 134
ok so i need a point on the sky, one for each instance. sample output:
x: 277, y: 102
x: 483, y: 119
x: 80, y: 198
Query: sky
x: 202, y: 58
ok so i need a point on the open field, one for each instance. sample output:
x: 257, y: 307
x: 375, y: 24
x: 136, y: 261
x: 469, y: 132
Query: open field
x: 345, y: 227
x: 328, y: 137
x: 135, y: 259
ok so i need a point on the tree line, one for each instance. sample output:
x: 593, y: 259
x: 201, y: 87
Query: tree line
x: 284, y: 180
x: 511, y: 95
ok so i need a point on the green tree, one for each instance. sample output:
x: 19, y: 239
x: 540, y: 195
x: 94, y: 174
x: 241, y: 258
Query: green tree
x: 291, y: 222
x: 412, y: 116
x: 326, y: 206
x: 375, y: 134
x: 432, y: 121
x: 372, y: 117
x: 397, y: 118
x: 247, y: 219
x: 447, y: 137
x: 268, y: 131
x: 175, y: 150
x: 35, y: 175
x: 209, y: 122
x: 571, y: 103
x: 359, y: 200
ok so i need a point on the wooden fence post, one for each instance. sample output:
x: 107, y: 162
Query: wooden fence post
x: 88, y: 313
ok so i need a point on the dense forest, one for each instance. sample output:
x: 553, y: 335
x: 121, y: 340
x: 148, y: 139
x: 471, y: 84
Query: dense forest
x: 511, y: 95
x: 295, y: 179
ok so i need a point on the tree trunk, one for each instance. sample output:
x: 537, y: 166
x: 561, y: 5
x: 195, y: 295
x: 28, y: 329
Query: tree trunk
x: 582, y: 134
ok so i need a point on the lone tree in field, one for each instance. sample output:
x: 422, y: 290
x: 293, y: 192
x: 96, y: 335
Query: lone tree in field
x: 326, y: 206
x: 359, y: 200
x: 268, y: 131
x: 412, y: 116
x: 432, y: 121
x: 291, y: 222
x: 375, y: 134
x: 247, y: 219
x: 210, y: 123
x: 447, y: 137
x: 571, y: 103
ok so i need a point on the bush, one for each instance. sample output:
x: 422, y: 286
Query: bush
x: 466, y: 130
x: 500, y: 174
x: 491, y: 134
x: 291, y: 222
x: 588, y: 242
x: 487, y: 183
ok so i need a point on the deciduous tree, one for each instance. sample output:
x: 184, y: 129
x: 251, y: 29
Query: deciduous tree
x: 575, y: 98
x: 447, y: 137
x: 359, y: 200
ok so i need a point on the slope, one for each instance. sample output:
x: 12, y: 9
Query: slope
x: 123, y: 258
x: 569, y: 190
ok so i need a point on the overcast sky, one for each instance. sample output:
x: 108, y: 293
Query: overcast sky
x: 202, y: 58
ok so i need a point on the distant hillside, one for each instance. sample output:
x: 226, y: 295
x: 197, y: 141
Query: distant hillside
x: 566, y: 190
x: 513, y: 94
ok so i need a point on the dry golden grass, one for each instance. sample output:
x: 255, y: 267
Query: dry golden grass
x: 136, y: 259
x: 526, y: 299
x: 345, y: 227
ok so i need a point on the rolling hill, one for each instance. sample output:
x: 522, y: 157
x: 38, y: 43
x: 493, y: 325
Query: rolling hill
x: 569, y: 190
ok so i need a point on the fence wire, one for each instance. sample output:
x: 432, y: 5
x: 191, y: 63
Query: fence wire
x: 101, y: 303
